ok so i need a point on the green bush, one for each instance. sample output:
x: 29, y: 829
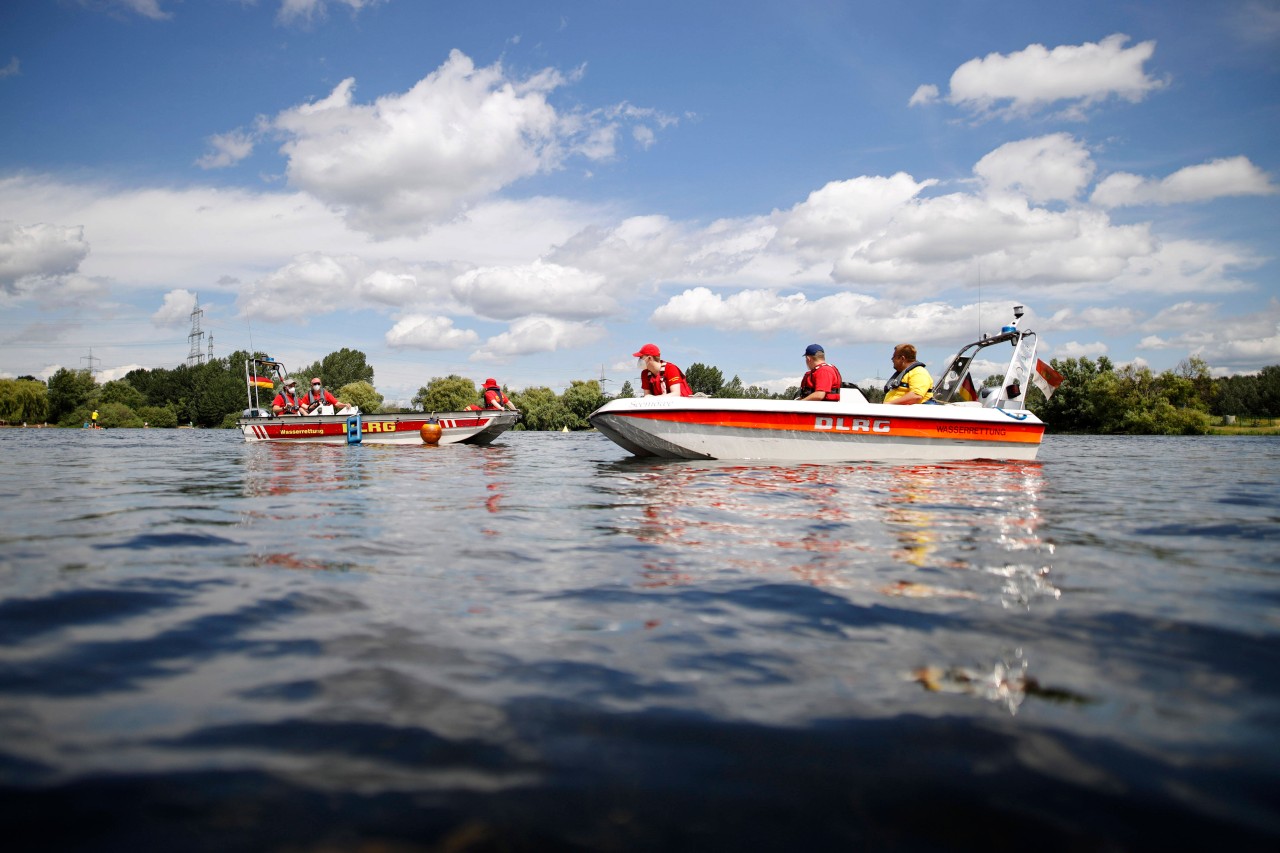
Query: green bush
x: 117, y: 416
x: 361, y: 394
x: 162, y: 417
x: 23, y: 401
x: 451, y: 393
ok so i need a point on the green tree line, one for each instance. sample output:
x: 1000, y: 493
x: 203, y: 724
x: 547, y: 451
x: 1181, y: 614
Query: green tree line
x: 1097, y: 397
x: 211, y: 394
x: 541, y: 408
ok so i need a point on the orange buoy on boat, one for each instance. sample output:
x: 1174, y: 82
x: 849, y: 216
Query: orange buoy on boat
x: 430, y: 432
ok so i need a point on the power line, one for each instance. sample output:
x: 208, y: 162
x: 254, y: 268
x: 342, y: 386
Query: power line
x: 195, y: 356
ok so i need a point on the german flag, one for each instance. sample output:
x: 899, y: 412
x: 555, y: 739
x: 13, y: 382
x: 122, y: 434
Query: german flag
x: 967, y: 392
x: 263, y: 382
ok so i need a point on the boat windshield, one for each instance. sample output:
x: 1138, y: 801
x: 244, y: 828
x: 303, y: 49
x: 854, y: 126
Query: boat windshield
x: 953, y: 387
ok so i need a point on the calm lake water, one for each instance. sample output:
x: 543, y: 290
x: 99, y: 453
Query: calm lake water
x: 545, y: 644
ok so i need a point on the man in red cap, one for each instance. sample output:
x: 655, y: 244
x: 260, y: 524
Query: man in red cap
x: 493, y: 398
x: 659, y: 377
x: 319, y: 396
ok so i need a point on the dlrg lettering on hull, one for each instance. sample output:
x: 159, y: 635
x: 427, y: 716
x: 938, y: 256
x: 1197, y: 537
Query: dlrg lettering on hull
x: 851, y: 424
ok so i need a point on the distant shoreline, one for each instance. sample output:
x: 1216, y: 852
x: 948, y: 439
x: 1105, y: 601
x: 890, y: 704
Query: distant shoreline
x: 1244, y: 430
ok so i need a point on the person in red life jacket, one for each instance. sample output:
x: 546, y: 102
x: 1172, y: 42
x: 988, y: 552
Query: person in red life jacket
x: 658, y: 377
x: 823, y: 381
x: 287, y: 401
x: 318, y: 396
x: 491, y: 397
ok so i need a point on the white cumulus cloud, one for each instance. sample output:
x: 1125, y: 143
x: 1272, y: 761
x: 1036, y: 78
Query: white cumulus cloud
x: 539, y: 287
x: 1228, y: 176
x: 176, y: 309
x: 1186, y: 266
x: 841, y: 318
x: 429, y: 332
x: 392, y: 287
x: 318, y: 283
x: 848, y: 213
x: 417, y: 158
x: 311, y: 284
x: 1183, y: 315
x: 925, y: 93
x: 1240, y: 342
x: 1024, y: 225
x: 1046, y: 168
x: 38, y: 251
x: 1092, y: 317
x: 1035, y: 78
x: 1075, y: 349
x: 413, y: 160
x: 530, y: 335
x: 1247, y: 351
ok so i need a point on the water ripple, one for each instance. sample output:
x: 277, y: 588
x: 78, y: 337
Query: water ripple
x: 545, y: 644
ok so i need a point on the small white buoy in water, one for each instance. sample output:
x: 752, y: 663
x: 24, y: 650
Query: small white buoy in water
x: 564, y: 428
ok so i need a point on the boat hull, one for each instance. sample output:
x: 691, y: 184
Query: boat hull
x: 709, y: 428
x: 475, y: 427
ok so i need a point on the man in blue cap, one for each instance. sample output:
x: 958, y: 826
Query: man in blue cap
x: 823, y: 381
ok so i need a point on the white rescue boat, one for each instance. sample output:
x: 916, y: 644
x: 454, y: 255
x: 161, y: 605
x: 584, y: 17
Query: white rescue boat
x: 959, y: 425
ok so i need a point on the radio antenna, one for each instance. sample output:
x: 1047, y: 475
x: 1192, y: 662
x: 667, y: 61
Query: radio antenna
x: 979, y: 300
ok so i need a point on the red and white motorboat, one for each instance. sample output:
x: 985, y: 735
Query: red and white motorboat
x: 995, y: 426
x: 350, y: 426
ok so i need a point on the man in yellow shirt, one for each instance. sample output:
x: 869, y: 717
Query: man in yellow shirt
x: 910, y: 383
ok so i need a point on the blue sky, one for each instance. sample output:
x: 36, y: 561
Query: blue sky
x: 532, y: 190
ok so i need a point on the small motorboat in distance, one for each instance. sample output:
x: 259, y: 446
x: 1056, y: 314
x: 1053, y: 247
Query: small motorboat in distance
x: 961, y: 425
x: 349, y: 426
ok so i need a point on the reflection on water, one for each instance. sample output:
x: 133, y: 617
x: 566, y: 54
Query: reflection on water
x: 494, y: 467
x: 955, y: 533
x: 932, y: 528
x: 544, y: 644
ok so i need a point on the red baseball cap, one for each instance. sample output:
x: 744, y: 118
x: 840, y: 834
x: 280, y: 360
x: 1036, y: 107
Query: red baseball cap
x: 648, y: 349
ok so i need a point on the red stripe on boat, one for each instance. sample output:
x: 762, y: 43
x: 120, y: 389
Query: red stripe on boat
x: 961, y: 430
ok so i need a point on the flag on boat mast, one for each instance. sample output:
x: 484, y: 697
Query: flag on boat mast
x: 1046, y: 378
x: 1012, y: 393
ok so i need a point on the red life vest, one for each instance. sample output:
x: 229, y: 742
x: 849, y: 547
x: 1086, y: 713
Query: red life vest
x: 809, y: 383
x: 288, y: 402
x: 658, y: 385
x: 323, y: 397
